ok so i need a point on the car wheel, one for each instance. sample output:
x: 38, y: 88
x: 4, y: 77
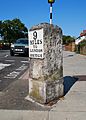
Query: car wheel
x: 11, y: 53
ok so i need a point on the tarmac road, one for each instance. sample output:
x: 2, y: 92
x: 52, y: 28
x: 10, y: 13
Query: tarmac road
x: 11, y: 68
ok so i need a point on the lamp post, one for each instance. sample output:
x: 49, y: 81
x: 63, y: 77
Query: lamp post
x: 51, y: 2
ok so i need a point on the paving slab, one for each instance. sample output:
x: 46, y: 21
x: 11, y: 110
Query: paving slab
x: 74, y: 64
x: 67, y: 115
x: 73, y: 105
x: 23, y: 115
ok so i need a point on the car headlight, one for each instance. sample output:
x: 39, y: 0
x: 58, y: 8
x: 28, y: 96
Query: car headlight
x: 26, y: 46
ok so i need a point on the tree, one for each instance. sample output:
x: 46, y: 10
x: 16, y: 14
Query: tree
x: 68, y: 39
x: 13, y: 29
x: 0, y: 28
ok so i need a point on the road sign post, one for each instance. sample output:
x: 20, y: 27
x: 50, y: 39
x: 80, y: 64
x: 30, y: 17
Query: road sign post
x: 51, y: 2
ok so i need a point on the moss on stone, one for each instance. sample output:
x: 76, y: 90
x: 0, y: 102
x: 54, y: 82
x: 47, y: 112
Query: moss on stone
x: 35, y: 93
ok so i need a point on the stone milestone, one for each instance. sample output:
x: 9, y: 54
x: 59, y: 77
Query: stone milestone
x: 46, y: 73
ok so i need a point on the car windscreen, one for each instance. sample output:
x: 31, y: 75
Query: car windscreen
x: 22, y: 41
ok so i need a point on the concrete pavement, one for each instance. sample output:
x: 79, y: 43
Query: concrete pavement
x: 74, y: 64
x: 72, y: 106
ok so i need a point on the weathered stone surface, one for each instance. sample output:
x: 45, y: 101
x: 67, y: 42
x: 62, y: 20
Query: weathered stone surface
x: 46, y: 75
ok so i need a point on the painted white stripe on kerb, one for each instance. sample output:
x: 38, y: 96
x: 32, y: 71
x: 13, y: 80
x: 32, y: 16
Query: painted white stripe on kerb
x: 2, y: 66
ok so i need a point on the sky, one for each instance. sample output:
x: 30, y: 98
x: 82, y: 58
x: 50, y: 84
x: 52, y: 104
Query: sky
x: 70, y: 15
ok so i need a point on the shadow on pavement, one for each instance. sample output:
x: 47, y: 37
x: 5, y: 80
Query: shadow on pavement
x: 68, y: 83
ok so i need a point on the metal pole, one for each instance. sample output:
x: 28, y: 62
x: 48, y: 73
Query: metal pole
x: 50, y: 13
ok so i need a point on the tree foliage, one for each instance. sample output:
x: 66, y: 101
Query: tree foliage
x: 12, y: 30
x: 68, y: 39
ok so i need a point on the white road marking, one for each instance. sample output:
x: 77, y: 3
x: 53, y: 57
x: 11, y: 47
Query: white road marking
x: 25, y: 61
x: 29, y: 59
x: 10, y: 60
x: 2, y: 66
x: 6, y: 56
x: 13, y: 74
x: 21, y: 68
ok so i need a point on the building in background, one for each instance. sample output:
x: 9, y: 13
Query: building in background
x: 81, y: 43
